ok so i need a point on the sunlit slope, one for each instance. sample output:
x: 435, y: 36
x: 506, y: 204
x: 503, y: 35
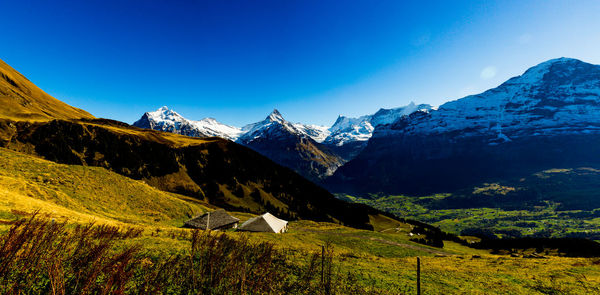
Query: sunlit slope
x: 382, y: 260
x: 215, y: 170
x: 20, y: 99
x: 84, y: 193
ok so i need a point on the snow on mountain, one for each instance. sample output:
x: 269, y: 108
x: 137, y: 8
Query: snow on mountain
x: 548, y: 117
x: 255, y: 130
x: 388, y: 116
x: 293, y: 145
x: 168, y: 120
x: 343, y: 131
x: 346, y: 130
x: 214, y: 128
x: 316, y: 132
x: 165, y: 119
x: 555, y: 97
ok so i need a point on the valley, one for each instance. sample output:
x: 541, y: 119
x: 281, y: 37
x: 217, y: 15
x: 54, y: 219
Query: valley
x: 552, y: 203
x: 542, y: 221
x: 379, y: 261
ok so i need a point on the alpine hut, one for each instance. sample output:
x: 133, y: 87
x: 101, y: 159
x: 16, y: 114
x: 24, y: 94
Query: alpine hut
x: 265, y: 223
x: 215, y: 220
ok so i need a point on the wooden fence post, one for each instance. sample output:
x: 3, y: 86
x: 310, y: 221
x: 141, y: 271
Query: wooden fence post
x: 323, y: 265
x: 418, y: 275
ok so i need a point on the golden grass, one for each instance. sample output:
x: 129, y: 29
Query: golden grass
x: 22, y: 100
x: 28, y: 183
x: 392, y: 270
x: 384, y: 223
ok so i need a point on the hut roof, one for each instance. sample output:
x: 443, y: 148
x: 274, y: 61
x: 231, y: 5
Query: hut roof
x: 212, y: 220
x: 265, y: 223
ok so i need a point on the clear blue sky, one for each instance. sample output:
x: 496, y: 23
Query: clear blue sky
x: 237, y: 60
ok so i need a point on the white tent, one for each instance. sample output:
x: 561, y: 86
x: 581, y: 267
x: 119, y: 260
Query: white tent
x: 265, y: 223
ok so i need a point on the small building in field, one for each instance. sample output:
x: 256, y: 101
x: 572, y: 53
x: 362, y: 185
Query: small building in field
x: 265, y: 223
x: 215, y: 220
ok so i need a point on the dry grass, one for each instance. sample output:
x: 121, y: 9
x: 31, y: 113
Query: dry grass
x: 22, y: 100
x: 81, y: 193
x: 40, y: 256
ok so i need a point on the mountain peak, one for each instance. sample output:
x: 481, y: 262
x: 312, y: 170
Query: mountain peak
x: 537, y: 72
x: 163, y: 109
x: 165, y: 119
x: 338, y: 121
x: 209, y: 120
x: 164, y: 113
x: 275, y: 116
x: 563, y: 59
x: 554, y: 61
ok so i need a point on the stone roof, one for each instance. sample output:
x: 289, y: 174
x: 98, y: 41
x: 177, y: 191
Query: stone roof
x: 212, y: 220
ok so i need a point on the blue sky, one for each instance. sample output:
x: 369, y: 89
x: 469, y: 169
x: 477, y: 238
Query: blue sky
x: 313, y: 60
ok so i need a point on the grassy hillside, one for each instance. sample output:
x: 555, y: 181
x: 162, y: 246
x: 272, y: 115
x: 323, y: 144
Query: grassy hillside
x: 22, y: 100
x: 385, y: 262
x: 381, y: 261
x: 214, y: 170
x: 85, y: 194
x: 366, y: 262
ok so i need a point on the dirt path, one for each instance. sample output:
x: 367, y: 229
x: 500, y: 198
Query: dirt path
x: 402, y: 245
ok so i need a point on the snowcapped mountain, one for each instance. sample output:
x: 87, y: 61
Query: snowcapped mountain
x: 389, y: 149
x: 168, y: 120
x: 546, y: 118
x: 559, y: 96
x: 316, y: 132
x: 275, y: 119
x: 291, y: 145
x: 348, y: 136
x: 346, y: 130
x: 313, y: 151
x: 165, y: 119
x: 294, y: 145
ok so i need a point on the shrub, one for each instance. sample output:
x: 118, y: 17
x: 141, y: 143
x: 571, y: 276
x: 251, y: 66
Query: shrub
x: 43, y: 257
x: 39, y: 256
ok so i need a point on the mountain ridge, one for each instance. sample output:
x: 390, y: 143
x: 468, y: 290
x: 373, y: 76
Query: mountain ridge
x: 311, y: 150
x: 290, y: 145
x: 545, y: 118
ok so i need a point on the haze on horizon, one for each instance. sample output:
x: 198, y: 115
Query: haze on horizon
x: 236, y: 60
